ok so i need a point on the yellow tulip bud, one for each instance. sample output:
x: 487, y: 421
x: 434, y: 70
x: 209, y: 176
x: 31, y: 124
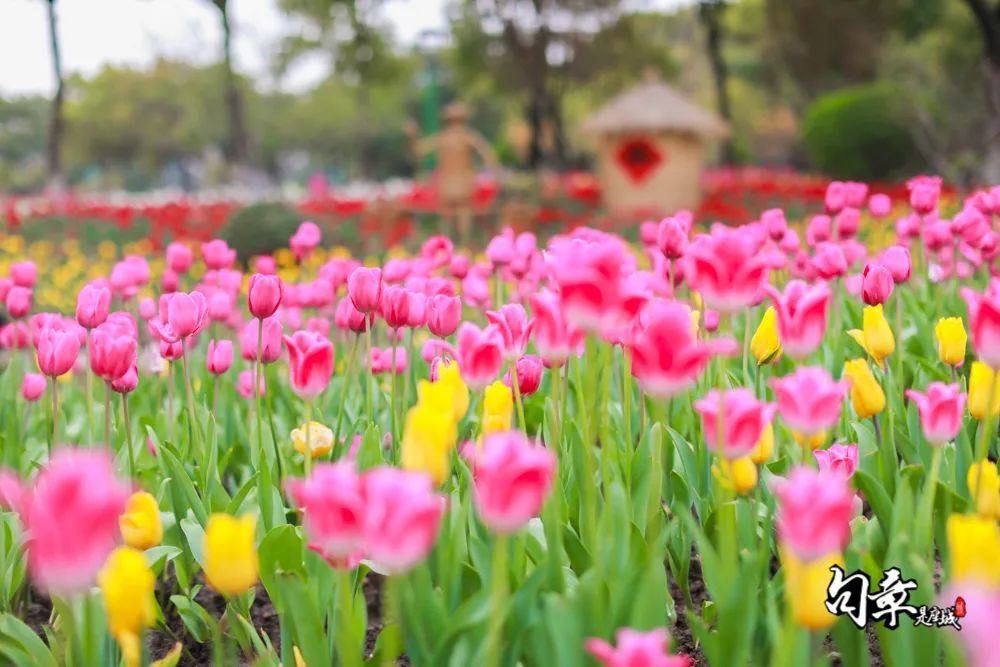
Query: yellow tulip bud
x: 436, y: 396
x: 809, y: 442
x: 765, y: 446
x: 866, y: 393
x: 428, y: 437
x: 695, y: 321
x: 312, y: 438
x: 140, y: 523
x: 974, y: 546
x: 951, y: 340
x: 498, y: 408
x: 876, y: 335
x: 127, y: 587
x: 739, y: 475
x: 980, y: 378
x: 805, y: 588
x: 450, y: 376
x: 984, y: 487
x: 765, y: 344
x: 231, y: 565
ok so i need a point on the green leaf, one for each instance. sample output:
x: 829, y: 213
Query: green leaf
x: 21, y: 645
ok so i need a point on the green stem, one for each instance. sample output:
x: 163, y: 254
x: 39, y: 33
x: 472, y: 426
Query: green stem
x: 392, y: 393
x: 368, y: 379
x: 391, y: 613
x: 499, y: 585
x: 90, y: 397
x: 343, y: 392
x: 256, y: 388
x: 348, y: 645
x: 54, y: 438
x: 107, y: 416
x: 926, y: 517
x: 627, y: 396
x: 517, y: 397
x: 307, y: 462
x: 170, y: 402
x: 128, y: 437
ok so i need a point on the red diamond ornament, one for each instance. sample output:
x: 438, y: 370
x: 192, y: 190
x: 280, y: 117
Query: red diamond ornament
x: 639, y: 158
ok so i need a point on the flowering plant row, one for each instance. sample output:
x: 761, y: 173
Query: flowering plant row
x: 726, y: 445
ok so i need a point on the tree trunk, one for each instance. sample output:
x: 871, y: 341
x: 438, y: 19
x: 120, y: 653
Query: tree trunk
x: 56, y: 122
x: 236, y: 150
x: 535, y: 116
x: 991, y: 156
x: 710, y: 12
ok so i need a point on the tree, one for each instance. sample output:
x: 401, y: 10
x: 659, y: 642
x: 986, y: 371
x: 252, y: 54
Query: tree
x: 56, y: 121
x: 987, y: 16
x: 710, y: 12
x: 237, y: 146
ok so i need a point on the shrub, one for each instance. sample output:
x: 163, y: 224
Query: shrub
x: 859, y: 133
x: 260, y: 229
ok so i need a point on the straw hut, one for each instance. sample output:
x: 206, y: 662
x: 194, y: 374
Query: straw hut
x: 651, y: 146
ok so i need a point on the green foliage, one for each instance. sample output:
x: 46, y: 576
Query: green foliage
x: 260, y: 229
x: 859, y: 133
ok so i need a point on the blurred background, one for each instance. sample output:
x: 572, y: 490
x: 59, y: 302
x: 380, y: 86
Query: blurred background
x: 327, y: 100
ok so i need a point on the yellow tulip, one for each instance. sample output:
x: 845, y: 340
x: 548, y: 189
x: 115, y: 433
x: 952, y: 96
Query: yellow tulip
x: 498, y: 408
x: 436, y: 396
x: 974, y: 545
x: 765, y: 446
x: 809, y: 442
x: 312, y: 438
x: 765, y: 344
x: 805, y: 588
x: 866, y: 393
x: 127, y: 587
x: 951, y: 340
x: 231, y: 565
x: 876, y: 335
x: 450, y: 376
x: 980, y: 378
x: 140, y: 523
x: 739, y: 475
x: 984, y: 488
x: 428, y: 437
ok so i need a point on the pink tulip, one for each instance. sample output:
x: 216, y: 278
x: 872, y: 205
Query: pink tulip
x: 15, y: 336
x: 835, y: 198
x: 801, y: 312
x: 244, y: 384
x: 182, y: 315
x: 829, y: 262
x: 32, y: 386
x: 179, y: 258
x: 897, y: 259
x: 513, y: 477
x: 127, y: 383
x: 217, y: 254
x: 171, y: 351
x: 984, y: 323
x: 774, y: 223
x: 401, y: 517
x: 443, y: 314
x: 855, y: 194
x: 417, y: 315
x: 743, y: 421
x: 381, y: 360
x: 24, y: 273
x: 529, y: 375
x: 349, y: 318
x: 364, y: 286
x: 636, y: 649
x: 726, y: 269
x: 924, y: 193
x: 310, y: 363
x: 937, y: 235
x: 589, y: 276
x: 480, y: 355
x: 220, y: 306
x: 847, y: 222
x: 265, y: 264
x: 438, y: 250
x: 70, y: 516
x: 500, y: 249
x: 940, y: 410
x: 306, y: 238
x: 809, y: 400
x: 880, y: 206
x: 672, y: 237
x: 112, y: 352
x: 56, y: 351
x: 514, y: 326
x: 333, y: 509
x: 819, y: 230
x: 92, y: 305
x: 459, y: 267
x: 666, y: 357
x: 840, y: 459
x: 876, y: 284
x: 814, y: 512
x: 396, y: 270
x: 129, y: 276
x: 19, y: 301
x: 147, y: 309
x: 220, y: 356
x: 395, y: 306
x: 979, y: 628
x: 170, y: 281
x: 264, y: 295
x: 554, y: 336
x: 432, y: 352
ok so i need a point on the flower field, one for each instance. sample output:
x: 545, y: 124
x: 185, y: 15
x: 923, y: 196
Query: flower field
x: 764, y: 443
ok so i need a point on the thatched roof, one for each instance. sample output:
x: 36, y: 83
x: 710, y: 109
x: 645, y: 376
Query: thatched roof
x: 653, y: 106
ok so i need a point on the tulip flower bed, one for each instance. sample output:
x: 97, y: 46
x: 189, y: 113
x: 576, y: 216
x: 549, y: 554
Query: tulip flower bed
x: 767, y: 444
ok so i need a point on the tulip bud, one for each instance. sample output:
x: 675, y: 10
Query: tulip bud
x: 32, y: 386
x: 230, y: 553
x: 866, y: 393
x: 983, y: 483
x: 140, y: 523
x: 765, y: 344
x: 364, y: 286
x: 264, y: 295
x: 876, y: 285
x: 220, y: 356
x: 312, y: 439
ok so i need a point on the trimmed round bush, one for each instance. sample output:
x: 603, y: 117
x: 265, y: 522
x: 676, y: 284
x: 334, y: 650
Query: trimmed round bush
x: 260, y: 229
